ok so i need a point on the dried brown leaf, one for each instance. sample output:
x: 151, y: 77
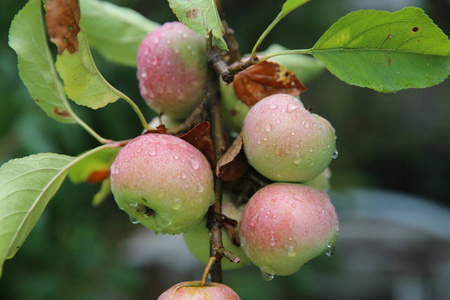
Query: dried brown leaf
x: 265, y: 79
x: 233, y: 163
x: 231, y: 226
x: 62, y: 18
x: 200, y: 138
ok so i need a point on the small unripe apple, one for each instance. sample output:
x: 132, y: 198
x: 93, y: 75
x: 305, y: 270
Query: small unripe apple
x: 285, y: 225
x: 197, y: 239
x: 233, y: 109
x: 285, y: 142
x: 162, y: 182
x: 321, y: 182
x: 171, y: 68
x: 193, y: 291
x: 166, y: 120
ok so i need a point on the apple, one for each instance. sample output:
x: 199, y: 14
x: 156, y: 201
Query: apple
x: 162, y: 182
x: 171, y: 68
x: 285, y: 225
x: 285, y: 142
x: 233, y: 109
x: 321, y: 182
x: 193, y: 291
x: 197, y: 239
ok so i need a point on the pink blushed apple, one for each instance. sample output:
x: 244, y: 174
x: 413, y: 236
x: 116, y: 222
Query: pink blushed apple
x: 193, y: 291
x: 285, y: 142
x: 162, y: 182
x: 285, y: 225
x: 171, y: 68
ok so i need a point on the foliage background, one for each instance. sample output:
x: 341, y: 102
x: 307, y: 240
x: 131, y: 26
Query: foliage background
x: 397, y: 142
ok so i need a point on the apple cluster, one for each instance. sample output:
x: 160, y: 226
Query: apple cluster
x: 167, y: 184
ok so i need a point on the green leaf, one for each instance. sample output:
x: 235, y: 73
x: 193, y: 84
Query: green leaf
x: 114, y: 31
x: 103, y: 193
x: 289, y: 6
x: 386, y: 51
x: 202, y: 17
x: 26, y: 186
x: 83, y: 83
x: 36, y: 66
x: 94, y: 167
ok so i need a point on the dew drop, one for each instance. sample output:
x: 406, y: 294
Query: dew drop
x: 133, y: 204
x: 194, y: 164
x: 278, y: 121
x: 154, y: 62
x: 134, y: 221
x: 152, y: 152
x: 278, y: 151
x: 257, y: 128
x: 176, y: 205
x: 291, y: 251
x: 306, y: 124
x: 291, y: 107
x: 331, y: 249
x: 183, y: 175
x: 273, y: 106
x: 272, y: 241
x: 335, y: 154
x: 297, y: 158
x: 267, y: 276
x: 268, y: 128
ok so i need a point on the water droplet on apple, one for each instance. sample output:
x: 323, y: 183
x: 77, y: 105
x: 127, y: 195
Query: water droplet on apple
x: 273, y: 106
x: 268, y: 127
x: 183, y: 175
x: 267, y: 276
x: 331, y: 249
x: 194, y: 163
x: 176, y: 205
x: 335, y: 154
x: 291, y: 107
x: 134, y: 221
x: 291, y: 251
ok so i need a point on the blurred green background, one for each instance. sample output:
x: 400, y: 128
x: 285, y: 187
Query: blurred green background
x: 387, y: 142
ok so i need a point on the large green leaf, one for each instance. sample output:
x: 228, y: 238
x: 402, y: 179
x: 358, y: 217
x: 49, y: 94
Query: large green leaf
x: 26, y: 186
x: 83, y: 83
x: 114, y: 31
x: 36, y: 66
x: 202, y: 17
x: 386, y: 51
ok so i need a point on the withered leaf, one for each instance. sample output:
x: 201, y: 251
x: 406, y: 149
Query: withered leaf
x: 161, y: 129
x: 62, y: 18
x: 233, y: 163
x: 231, y: 226
x: 98, y: 176
x: 200, y: 138
x: 265, y: 79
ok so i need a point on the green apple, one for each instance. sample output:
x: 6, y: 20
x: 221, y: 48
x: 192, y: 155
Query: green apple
x: 197, y: 239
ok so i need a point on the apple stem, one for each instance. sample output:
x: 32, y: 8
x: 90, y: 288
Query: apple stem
x: 211, y: 262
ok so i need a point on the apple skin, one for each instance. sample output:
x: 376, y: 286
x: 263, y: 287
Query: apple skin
x: 321, y: 182
x: 285, y: 225
x: 166, y: 120
x: 285, y: 142
x: 197, y: 239
x: 171, y: 68
x: 233, y: 109
x: 191, y: 290
x: 162, y: 182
